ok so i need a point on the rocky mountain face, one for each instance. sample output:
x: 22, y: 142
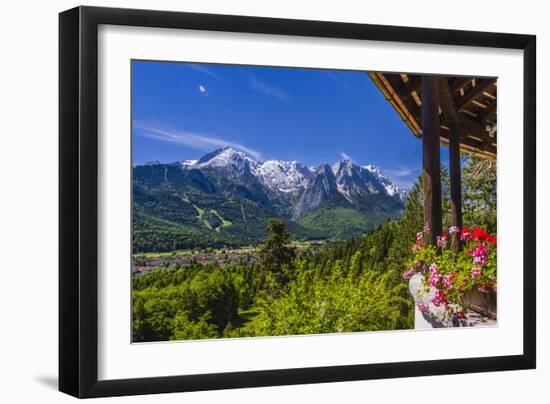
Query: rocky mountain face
x: 322, y: 187
x: 226, y: 197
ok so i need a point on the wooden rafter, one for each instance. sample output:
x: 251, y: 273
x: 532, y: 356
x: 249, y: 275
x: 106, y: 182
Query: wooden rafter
x: 481, y: 86
x: 488, y: 112
x: 403, y: 91
x: 459, y: 84
x: 412, y: 85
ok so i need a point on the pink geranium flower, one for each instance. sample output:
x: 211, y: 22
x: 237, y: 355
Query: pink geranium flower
x: 408, y: 274
x: 480, y: 254
x: 422, y: 307
x: 454, y: 229
x: 440, y: 299
x: 442, y: 241
x: 435, y: 276
x: 448, y: 280
x: 476, y: 272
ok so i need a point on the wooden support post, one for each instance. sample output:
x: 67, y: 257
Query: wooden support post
x: 456, y: 183
x: 431, y: 174
x: 450, y: 112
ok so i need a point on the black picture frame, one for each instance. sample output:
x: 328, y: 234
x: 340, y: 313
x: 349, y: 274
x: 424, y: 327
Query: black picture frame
x: 78, y: 201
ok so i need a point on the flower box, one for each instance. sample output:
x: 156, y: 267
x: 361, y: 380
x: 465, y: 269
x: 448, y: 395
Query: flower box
x: 484, y: 303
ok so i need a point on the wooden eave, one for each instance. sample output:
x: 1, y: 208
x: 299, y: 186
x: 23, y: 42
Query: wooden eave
x: 474, y: 100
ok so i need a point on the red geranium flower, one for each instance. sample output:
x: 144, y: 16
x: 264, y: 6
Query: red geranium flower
x: 480, y: 234
x: 492, y: 239
x: 465, y: 234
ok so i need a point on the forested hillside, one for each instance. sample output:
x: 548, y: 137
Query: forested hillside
x: 226, y: 198
x: 353, y: 285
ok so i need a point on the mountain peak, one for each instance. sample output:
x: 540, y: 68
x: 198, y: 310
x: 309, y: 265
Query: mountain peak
x: 390, y: 187
x: 323, y: 169
x: 372, y: 168
x: 226, y: 152
x: 320, y: 188
x: 224, y: 157
x: 344, y: 164
x: 291, y: 177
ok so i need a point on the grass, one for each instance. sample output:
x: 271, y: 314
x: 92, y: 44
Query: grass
x: 299, y: 245
x: 200, y: 214
x: 241, y: 250
x: 225, y: 223
x: 205, y: 222
x: 341, y: 222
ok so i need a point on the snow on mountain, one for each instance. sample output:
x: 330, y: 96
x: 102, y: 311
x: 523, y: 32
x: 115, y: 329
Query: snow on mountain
x: 320, y: 188
x: 225, y: 157
x: 283, y: 176
x: 291, y: 177
x: 354, y: 180
x: 276, y: 175
x: 187, y: 163
x: 390, y: 187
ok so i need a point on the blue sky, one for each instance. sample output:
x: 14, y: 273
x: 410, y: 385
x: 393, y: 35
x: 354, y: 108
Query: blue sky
x: 182, y: 111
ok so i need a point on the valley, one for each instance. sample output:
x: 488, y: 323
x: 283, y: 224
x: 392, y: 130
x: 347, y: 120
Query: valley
x: 173, y: 260
x: 225, y: 198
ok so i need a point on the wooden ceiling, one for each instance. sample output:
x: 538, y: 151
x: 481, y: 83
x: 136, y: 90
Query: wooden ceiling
x: 470, y: 100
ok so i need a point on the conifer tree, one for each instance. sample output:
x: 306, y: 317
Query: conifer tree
x: 276, y: 249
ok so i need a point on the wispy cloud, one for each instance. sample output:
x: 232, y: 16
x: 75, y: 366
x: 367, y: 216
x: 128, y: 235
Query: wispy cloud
x: 205, y: 70
x: 199, y: 141
x: 399, y: 172
x: 337, y: 79
x: 202, y: 90
x: 403, y: 177
x: 268, y: 89
x: 345, y: 156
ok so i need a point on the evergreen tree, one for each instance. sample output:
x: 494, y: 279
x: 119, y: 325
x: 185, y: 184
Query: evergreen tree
x: 276, y: 251
x: 479, y: 180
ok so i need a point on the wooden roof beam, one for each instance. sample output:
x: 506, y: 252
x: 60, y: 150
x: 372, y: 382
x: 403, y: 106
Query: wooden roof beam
x: 464, y: 125
x: 469, y: 127
x: 481, y: 86
x: 446, y: 101
x: 460, y: 83
x: 488, y: 112
x: 408, y: 88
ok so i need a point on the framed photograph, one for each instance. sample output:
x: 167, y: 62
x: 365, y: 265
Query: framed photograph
x: 251, y: 201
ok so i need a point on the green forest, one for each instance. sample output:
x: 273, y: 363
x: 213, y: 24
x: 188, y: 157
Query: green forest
x: 345, y: 286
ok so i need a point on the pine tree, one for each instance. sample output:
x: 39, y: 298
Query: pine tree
x: 276, y: 250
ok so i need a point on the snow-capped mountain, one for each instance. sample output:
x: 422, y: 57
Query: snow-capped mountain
x: 283, y: 176
x: 321, y: 188
x: 354, y: 180
x: 187, y: 163
x: 226, y: 158
x: 292, y: 178
x: 390, y: 187
x: 288, y: 177
x: 227, y: 198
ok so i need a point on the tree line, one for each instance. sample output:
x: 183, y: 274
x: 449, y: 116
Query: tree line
x: 355, y: 285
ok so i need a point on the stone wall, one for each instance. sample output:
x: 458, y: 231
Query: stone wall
x: 428, y: 315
